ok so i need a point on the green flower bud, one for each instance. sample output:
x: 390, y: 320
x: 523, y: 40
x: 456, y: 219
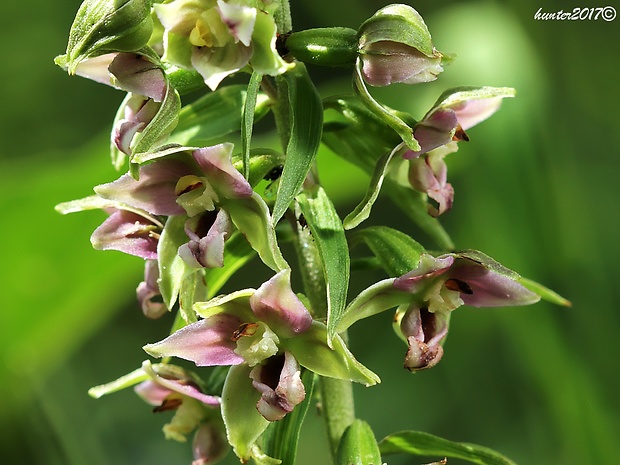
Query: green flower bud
x: 358, y: 446
x: 395, y: 46
x: 331, y: 46
x: 105, y: 26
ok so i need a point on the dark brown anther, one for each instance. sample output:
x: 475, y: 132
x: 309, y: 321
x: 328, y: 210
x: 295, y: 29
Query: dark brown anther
x: 190, y: 188
x: 460, y: 134
x: 168, y: 404
x: 458, y: 285
x: 281, y: 47
x: 244, y: 329
x: 302, y: 221
x: 274, y: 174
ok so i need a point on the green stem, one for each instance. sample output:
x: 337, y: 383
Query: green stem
x: 338, y: 409
x: 336, y: 394
x: 282, y: 16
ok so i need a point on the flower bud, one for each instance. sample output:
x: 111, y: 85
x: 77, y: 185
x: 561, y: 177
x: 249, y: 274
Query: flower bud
x: 209, y: 445
x: 104, y: 26
x: 395, y: 46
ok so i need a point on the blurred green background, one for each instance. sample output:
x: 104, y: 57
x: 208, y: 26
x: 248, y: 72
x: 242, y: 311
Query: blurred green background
x: 536, y: 188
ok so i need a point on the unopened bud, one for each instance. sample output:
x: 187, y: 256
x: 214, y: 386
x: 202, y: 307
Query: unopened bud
x: 105, y: 26
x: 395, y: 46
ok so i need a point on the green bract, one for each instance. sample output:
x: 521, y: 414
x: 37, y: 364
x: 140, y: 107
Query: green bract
x: 106, y: 26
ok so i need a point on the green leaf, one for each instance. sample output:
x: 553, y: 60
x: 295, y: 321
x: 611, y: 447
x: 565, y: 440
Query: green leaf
x: 172, y: 268
x: 358, y: 446
x: 251, y: 216
x: 418, y: 443
x: 306, y: 119
x: 544, y: 292
x: 215, y: 115
x: 362, y: 211
x: 328, y: 235
x: 243, y: 422
x: 388, y: 117
x: 248, y: 120
x: 396, y: 251
x: 282, y: 437
x: 311, y: 350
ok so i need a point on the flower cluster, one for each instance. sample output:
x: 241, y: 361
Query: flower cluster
x: 195, y: 209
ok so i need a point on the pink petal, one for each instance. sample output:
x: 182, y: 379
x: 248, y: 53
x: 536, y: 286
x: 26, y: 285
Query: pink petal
x: 223, y: 176
x: 276, y: 304
x: 206, y: 342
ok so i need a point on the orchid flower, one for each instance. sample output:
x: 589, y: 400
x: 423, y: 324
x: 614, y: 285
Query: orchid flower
x: 441, y: 128
x: 427, y: 295
x: 266, y: 335
x: 217, y: 38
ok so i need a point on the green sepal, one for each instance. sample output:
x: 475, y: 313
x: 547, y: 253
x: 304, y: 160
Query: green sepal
x: 251, y: 216
x: 193, y: 289
x: 544, y: 292
x: 265, y: 58
x: 388, y: 116
x: 160, y: 126
x: 375, y: 299
x: 419, y: 443
x: 396, y: 251
x: 397, y: 23
x: 306, y: 125
x: 244, y: 424
x: 215, y: 115
x: 105, y: 26
x: 328, y: 234
x: 312, y: 351
x: 282, y: 437
x: 454, y: 97
x: 128, y: 380
x: 358, y: 446
x: 248, y: 120
x: 330, y: 46
x: 172, y: 268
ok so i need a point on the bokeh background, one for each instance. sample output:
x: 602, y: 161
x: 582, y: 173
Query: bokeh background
x: 536, y: 188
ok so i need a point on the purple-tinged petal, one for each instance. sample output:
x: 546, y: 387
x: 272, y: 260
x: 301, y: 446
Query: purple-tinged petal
x: 387, y: 62
x: 429, y: 268
x: 434, y: 131
x: 276, y: 304
x: 127, y: 232
x: 226, y: 180
x: 472, y: 112
x: 207, y: 234
x: 428, y: 174
x: 483, y: 287
x: 96, y: 69
x: 148, y: 292
x: 153, y: 192
x: 239, y: 19
x: 279, y: 382
x: 138, y: 112
x: 152, y: 392
x: 206, y: 342
x: 135, y: 73
x: 424, y: 331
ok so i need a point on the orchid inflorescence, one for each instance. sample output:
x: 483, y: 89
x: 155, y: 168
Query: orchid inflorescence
x: 196, y: 208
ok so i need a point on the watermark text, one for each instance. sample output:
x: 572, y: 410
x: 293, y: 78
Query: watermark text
x: 604, y: 13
